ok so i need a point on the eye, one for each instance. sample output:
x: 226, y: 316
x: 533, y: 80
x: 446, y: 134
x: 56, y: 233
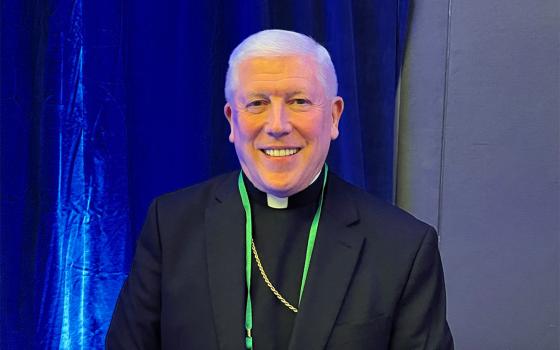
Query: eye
x: 257, y: 103
x: 300, y: 101
x: 300, y: 104
x: 256, y: 106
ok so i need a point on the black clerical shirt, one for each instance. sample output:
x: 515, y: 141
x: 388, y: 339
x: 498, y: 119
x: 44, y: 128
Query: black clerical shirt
x: 280, y: 237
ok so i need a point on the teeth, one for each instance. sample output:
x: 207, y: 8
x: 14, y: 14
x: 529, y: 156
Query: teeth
x: 281, y: 152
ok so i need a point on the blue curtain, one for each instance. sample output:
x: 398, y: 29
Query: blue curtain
x: 106, y: 104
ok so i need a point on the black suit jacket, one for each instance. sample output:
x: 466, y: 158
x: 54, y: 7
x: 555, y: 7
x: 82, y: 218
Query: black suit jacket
x: 375, y: 280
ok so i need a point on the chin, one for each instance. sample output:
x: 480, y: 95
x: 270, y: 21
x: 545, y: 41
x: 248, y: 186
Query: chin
x: 279, y: 190
x: 282, y: 188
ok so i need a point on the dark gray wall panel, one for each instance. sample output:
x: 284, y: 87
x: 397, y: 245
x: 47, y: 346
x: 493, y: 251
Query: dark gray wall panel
x: 499, y: 194
x: 500, y: 175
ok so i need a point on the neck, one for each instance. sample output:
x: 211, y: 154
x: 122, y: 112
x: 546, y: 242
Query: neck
x: 282, y: 202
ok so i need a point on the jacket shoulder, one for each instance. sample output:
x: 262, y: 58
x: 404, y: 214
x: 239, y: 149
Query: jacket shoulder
x: 195, y: 197
x: 382, y: 217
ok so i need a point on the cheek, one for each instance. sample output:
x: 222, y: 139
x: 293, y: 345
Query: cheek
x: 245, y: 131
x: 318, y: 130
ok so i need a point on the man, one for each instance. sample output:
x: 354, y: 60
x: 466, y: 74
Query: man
x: 284, y: 255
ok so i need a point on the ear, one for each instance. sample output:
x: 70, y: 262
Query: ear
x: 228, y: 112
x: 337, y: 106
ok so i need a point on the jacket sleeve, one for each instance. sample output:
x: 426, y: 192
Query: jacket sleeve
x: 136, y: 318
x: 420, y: 319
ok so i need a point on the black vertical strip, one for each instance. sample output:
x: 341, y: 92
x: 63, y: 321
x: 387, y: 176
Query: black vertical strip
x: 223, y: 157
x: 126, y: 39
x: 319, y: 30
x: 125, y: 52
x: 375, y: 93
x: 34, y: 256
x: 280, y: 13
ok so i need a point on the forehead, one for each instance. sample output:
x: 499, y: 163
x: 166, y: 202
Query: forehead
x: 281, y: 71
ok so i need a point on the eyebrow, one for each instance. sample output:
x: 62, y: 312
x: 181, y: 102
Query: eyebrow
x: 265, y: 96
x: 259, y: 95
x: 297, y: 92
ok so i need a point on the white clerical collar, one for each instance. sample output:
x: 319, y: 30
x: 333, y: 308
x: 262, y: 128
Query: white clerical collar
x: 282, y: 202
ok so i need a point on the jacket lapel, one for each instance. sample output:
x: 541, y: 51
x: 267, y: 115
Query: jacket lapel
x: 225, y: 239
x: 336, y: 252
x: 335, y: 255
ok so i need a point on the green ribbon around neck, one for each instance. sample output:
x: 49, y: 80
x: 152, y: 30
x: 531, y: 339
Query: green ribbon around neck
x: 249, y: 239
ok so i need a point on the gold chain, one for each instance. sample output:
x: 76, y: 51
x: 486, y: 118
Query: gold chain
x: 267, y: 281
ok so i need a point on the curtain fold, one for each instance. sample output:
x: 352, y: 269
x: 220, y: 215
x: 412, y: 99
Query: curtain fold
x: 107, y: 104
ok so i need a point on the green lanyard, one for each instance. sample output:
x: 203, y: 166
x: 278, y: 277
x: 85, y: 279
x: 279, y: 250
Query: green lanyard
x: 249, y: 239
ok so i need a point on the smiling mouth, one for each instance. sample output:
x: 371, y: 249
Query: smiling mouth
x: 283, y: 152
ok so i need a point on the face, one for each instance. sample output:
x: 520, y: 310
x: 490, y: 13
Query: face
x: 282, y: 122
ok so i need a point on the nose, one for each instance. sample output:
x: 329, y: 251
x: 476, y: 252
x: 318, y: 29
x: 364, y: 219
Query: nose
x: 278, y: 123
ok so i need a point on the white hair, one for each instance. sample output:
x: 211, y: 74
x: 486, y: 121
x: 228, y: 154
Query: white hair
x: 276, y: 42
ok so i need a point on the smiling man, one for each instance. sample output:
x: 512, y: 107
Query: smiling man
x: 284, y: 254
x: 282, y: 121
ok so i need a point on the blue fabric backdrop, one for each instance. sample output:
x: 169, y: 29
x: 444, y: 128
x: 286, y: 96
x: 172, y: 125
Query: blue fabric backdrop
x: 106, y: 104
